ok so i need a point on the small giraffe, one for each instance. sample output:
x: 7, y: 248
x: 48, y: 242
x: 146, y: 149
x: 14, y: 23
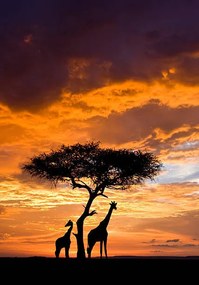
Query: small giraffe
x: 64, y: 241
x: 100, y: 233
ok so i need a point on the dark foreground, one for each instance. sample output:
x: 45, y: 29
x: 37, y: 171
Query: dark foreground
x: 95, y: 270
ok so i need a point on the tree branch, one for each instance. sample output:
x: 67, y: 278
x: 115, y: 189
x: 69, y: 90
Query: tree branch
x: 92, y: 213
x: 79, y: 185
x: 101, y: 194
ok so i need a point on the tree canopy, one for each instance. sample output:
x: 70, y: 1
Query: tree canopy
x: 94, y: 168
x: 104, y: 167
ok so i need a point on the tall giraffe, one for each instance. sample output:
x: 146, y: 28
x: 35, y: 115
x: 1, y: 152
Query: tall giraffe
x: 64, y: 241
x: 100, y: 233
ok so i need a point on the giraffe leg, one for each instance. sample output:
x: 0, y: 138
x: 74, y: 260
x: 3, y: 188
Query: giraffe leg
x: 57, y: 252
x: 89, y: 249
x: 105, y: 247
x: 66, y: 252
x: 89, y: 252
x: 101, y: 245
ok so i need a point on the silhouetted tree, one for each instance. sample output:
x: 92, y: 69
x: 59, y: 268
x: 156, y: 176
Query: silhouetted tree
x: 90, y: 167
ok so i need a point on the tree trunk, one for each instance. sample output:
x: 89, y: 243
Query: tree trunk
x: 80, y: 239
x: 80, y: 228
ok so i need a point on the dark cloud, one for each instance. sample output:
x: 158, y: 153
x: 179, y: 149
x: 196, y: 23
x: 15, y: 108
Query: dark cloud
x: 140, y: 122
x: 172, y: 141
x: 171, y: 243
x: 110, y: 40
x: 173, y: 240
x: 188, y: 70
x: 176, y: 245
x: 177, y: 44
x: 151, y: 241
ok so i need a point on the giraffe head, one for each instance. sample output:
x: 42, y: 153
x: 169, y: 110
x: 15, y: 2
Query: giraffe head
x: 69, y: 223
x: 113, y: 205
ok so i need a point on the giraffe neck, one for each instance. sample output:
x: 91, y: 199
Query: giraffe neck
x: 69, y: 230
x: 107, y: 218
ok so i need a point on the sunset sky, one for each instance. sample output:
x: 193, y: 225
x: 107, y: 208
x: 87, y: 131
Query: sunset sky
x: 123, y: 72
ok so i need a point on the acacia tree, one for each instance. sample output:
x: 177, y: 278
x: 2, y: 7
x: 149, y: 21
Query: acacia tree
x: 95, y: 169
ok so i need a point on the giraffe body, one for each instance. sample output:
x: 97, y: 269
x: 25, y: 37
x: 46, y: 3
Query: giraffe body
x: 100, y: 233
x: 64, y: 241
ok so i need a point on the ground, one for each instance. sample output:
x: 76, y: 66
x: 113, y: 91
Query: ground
x: 134, y: 270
